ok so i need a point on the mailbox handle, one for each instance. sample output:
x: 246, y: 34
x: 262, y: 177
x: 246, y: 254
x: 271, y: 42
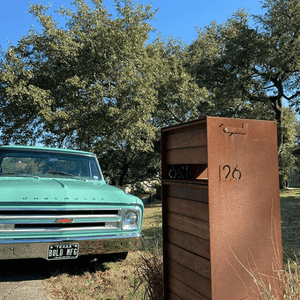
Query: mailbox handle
x: 235, y: 130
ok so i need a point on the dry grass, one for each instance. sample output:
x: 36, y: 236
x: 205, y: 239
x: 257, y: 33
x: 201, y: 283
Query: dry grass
x: 150, y: 276
x: 108, y: 280
x: 100, y: 278
x: 140, y: 275
x: 289, y: 280
x: 290, y: 217
x: 289, y: 277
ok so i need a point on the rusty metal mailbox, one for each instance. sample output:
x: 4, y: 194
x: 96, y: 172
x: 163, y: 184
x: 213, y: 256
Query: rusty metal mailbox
x: 221, y: 209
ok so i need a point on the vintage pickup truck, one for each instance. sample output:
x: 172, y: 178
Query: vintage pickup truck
x: 55, y: 204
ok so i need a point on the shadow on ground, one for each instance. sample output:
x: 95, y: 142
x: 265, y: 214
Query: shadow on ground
x: 39, y: 269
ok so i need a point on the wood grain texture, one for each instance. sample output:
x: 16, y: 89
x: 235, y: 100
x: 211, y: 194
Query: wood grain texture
x: 190, y: 260
x: 189, y: 225
x: 189, y: 242
x: 187, y: 139
x: 186, y: 156
x: 186, y: 191
x: 191, y: 208
x: 195, y: 281
x: 183, y: 291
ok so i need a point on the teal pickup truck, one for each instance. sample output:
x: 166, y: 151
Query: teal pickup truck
x: 55, y: 204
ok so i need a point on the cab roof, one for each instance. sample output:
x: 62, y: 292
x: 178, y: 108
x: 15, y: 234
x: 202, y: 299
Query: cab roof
x: 46, y: 149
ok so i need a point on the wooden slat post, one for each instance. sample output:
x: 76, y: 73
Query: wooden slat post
x: 221, y: 210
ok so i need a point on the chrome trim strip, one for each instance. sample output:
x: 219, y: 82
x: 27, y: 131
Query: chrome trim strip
x: 72, y: 239
x: 37, y: 248
x: 14, y: 217
x: 69, y: 205
x: 54, y: 229
x: 28, y: 208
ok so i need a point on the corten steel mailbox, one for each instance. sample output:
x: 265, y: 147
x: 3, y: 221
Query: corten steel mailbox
x: 221, y: 209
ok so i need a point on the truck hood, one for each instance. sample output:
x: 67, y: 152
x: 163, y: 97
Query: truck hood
x: 58, y: 190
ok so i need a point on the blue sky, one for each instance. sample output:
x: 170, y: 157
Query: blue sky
x: 175, y: 18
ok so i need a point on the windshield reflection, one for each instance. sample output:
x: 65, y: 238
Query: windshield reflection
x: 48, y: 164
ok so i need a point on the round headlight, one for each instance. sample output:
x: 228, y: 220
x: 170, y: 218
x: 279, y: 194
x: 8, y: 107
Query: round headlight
x: 130, y: 220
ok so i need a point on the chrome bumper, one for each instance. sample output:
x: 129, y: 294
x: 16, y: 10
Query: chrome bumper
x: 38, y: 248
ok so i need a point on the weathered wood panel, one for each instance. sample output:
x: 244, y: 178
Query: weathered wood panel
x: 187, y: 139
x: 173, y: 296
x: 189, y: 225
x: 190, y: 278
x: 190, y: 260
x: 193, y: 209
x: 183, y: 291
x: 186, y: 156
x: 187, y: 267
x: 186, y: 191
x: 189, y: 242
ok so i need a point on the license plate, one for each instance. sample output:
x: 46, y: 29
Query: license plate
x: 62, y: 251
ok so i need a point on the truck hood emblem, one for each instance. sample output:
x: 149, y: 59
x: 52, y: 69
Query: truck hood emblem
x: 64, y: 221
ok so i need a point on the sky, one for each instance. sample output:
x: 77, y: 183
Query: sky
x: 177, y: 18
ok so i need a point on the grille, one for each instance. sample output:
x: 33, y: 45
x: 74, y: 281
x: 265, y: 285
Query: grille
x: 50, y: 220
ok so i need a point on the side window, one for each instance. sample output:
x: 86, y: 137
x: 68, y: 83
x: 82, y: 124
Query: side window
x: 94, y: 170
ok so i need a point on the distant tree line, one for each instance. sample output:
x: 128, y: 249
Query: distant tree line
x: 97, y: 83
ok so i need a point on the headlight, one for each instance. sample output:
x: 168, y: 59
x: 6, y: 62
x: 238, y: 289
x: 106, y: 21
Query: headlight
x: 131, y: 219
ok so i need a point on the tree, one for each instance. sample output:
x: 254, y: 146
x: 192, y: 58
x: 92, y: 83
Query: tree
x: 87, y: 86
x: 95, y: 84
x: 249, y: 71
x: 287, y: 161
x: 178, y: 96
x: 220, y: 60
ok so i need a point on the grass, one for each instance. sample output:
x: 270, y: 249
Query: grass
x: 290, y: 222
x: 100, y: 278
x: 103, y: 279
x: 290, y: 275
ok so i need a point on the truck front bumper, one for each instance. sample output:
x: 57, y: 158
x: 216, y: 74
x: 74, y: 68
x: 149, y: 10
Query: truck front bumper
x: 38, y: 248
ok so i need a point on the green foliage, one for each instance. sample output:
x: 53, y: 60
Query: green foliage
x: 223, y: 60
x: 248, y: 71
x: 287, y: 161
x: 87, y: 86
x: 178, y: 96
x: 96, y: 83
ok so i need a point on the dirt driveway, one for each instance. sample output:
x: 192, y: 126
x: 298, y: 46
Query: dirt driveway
x: 23, y: 279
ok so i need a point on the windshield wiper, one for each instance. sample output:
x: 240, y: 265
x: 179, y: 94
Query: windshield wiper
x: 61, y: 173
x: 66, y: 174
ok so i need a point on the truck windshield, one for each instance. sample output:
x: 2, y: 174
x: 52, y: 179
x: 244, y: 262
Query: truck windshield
x: 48, y: 164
